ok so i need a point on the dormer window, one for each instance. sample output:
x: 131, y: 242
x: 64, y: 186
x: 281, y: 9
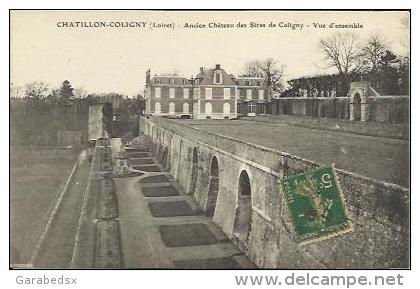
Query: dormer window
x: 217, y: 78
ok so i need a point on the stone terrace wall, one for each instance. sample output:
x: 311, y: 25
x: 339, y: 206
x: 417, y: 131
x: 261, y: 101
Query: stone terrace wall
x: 378, y: 211
x: 337, y: 107
x: 388, y: 109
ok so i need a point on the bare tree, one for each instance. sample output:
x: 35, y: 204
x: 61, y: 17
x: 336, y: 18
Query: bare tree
x: 37, y: 89
x: 15, y: 91
x: 374, y: 50
x: 269, y: 69
x: 252, y: 69
x: 80, y: 93
x: 342, y: 52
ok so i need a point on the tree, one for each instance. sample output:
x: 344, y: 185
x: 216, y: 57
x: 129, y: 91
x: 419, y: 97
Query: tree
x: 388, y: 58
x: 270, y: 70
x: 342, y: 52
x: 374, y: 50
x: 79, y: 93
x: 66, y: 91
x: 404, y: 76
x: 36, y: 90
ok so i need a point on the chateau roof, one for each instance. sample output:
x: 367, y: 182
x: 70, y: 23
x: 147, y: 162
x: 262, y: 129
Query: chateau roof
x: 207, y: 76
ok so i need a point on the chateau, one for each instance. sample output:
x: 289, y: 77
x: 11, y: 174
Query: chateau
x: 211, y: 94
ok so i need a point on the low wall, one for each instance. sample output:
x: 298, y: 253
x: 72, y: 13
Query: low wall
x: 379, y: 129
x: 337, y: 107
x: 378, y: 211
x: 387, y: 109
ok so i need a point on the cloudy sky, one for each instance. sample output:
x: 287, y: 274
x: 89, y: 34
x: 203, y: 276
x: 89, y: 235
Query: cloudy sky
x: 115, y: 59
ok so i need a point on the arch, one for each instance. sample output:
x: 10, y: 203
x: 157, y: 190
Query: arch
x: 357, y: 106
x: 157, y: 107
x: 186, y: 107
x: 165, y: 157
x: 171, y: 108
x: 243, y: 214
x: 213, y: 187
x: 194, y: 171
x: 178, y: 160
x: 208, y: 108
x: 226, y: 108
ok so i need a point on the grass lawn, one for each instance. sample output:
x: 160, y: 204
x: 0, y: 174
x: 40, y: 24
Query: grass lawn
x: 36, y: 178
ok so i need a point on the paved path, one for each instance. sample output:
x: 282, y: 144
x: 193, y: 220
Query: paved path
x: 57, y: 248
x: 161, y: 227
x: 380, y: 158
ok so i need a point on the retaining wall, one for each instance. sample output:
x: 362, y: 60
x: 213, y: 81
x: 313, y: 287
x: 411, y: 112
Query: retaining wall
x: 378, y: 211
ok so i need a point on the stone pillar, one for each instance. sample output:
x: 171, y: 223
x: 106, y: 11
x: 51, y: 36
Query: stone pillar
x: 351, y: 111
x: 116, y: 146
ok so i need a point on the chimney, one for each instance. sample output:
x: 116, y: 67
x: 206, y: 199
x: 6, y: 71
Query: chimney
x: 148, y: 76
x: 217, y: 66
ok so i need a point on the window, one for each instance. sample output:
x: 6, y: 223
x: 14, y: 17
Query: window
x: 157, y: 107
x: 197, y: 93
x: 251, y: 107
x: 208, y: 108
x: 171, y: 108
x: 157, y: 92
x: 208, y: 93
x: 247, y: 83
x: 226, y: 93
x: 171, y: 92
x: 259, y: 83
x: 261, y: 94
x: 186, y: 93
x: 157, y: 80
x: 226, y: 108
x: 249, y: 94
x: 185, y: 107
x: 238, y: 108
x: 217, y: 78
x: 263, y: 109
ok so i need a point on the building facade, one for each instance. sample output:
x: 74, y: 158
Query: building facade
x: 211, y: 94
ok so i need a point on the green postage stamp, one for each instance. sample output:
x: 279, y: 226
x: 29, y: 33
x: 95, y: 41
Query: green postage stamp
x: 316, y: 205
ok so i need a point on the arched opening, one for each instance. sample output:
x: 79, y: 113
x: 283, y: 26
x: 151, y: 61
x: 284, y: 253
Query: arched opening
x: 243, y: 214
x: 213, y: 187
x: 194, y: 172
x: 165, y: 157
x: 357, y: 106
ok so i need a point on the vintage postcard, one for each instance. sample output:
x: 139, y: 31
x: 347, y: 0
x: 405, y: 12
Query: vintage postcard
x: 171, y: 139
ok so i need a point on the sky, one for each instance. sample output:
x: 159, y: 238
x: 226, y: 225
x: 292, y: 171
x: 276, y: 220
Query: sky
x: 115, y: 59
